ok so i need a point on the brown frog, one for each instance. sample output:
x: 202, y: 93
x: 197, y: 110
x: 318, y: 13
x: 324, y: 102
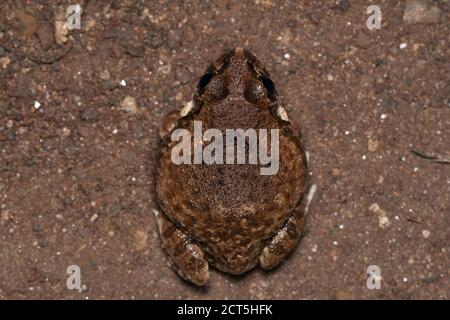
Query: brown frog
x: 228, y: 216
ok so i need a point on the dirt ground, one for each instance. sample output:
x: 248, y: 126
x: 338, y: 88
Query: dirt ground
x: 80, y: 112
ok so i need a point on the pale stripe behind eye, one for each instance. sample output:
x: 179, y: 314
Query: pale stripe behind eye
x: 186, y: 109
x: 282, y: 114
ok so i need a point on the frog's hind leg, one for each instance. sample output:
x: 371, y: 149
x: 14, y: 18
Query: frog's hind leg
x: 284, y: 241
x: 187, y: 257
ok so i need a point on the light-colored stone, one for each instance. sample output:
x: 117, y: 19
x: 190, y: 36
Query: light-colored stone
x: 140, y: 238
x: 129, y: 105
x: 372, y: 145
x: 60, y: 25
x: 383, y: 220
x: 421, y: 11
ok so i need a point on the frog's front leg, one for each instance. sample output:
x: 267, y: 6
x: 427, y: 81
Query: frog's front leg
x: 169, y: 123
x: 284, y: 241
x: 170, y: 120
x: 188, y: 258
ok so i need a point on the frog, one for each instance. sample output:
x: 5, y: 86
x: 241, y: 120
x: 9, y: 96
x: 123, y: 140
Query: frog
x: 229, y: 216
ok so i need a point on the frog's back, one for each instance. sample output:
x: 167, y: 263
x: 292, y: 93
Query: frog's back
x: 232, y: 209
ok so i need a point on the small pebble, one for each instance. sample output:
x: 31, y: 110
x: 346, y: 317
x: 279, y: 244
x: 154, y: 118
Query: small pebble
x: 140, y: 240
x: 155, y: 38
x: 105, y: 75
x: 45, y: 34
x: 10, y: 134
x: 115, y: 209
x: 135, y: 50
x: 343, y: 5
x: 129, y: 105
x: 420, y: 11
x: 174, y: 39
x: 314, y: 17
x: 182, y: 74
x: 383, y: 220
x: 372, y: 145
x: 90, y: 114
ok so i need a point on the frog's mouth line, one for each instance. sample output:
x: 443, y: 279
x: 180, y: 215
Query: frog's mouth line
x: 238, y: 144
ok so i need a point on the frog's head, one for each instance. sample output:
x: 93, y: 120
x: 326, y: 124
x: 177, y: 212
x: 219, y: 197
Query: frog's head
x: 237, y: 73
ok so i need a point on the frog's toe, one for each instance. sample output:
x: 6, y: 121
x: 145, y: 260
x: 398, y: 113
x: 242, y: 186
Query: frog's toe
x: 281, y: 244
x: 187, y: 257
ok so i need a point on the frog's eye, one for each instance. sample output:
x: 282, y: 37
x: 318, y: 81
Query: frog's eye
x: 268, y: 84
x: 254, y: 92
x: 204, y: 81
x: 217, y: 88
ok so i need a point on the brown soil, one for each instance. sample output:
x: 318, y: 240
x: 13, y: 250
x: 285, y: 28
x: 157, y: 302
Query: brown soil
x: 75, y: 171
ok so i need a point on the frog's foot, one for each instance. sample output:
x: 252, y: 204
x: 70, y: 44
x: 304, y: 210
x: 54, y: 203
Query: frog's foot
x: 187, y: 257
x: 282, y: 243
